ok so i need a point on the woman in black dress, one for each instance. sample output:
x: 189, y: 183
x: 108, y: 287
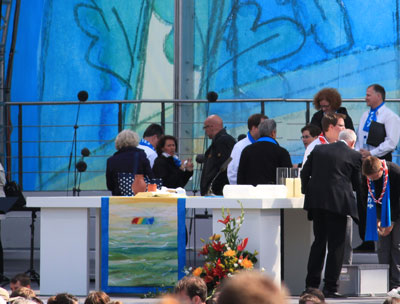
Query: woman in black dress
x: 328, y: 100
x: 167, y: 166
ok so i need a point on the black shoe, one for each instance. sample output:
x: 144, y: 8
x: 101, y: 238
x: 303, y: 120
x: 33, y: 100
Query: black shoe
x: 368, y: 246
x: 332, y: 294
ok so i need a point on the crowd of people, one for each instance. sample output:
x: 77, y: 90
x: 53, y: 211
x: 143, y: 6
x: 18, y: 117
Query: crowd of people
x: 346, y: 175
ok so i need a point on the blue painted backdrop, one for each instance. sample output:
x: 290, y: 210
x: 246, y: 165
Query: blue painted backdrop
x: 242, y: 49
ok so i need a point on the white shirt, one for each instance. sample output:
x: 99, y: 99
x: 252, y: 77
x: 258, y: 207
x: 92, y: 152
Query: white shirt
x: 311, y: 147
x: 233, y: 166
x: 150, y: 153
x: 392, y: 126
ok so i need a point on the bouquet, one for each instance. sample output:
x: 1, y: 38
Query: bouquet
x: 223, y: 259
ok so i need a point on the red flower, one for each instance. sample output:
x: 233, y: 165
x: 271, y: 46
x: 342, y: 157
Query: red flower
x: 242, y: 245
x: 217, y: 246
x: 226, y: 220
x: 204, y: 251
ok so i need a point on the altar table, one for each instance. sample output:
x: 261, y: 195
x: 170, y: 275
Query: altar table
x: 64, y: 249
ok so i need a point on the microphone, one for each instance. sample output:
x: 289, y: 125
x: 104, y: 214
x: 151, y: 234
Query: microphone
x: 224, y: 166
x: 212, y: 96
x: 83, y: 96
x: 85, y: 152
x: 81, y: 166
x: 200, y: 158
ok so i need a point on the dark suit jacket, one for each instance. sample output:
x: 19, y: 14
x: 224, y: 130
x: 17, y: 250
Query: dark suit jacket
x: 124, y: 161
x: 317, y: 118
x: 328, y: 178
x: 259, y: 161
x: 171, y: 175
x: 219, y: 151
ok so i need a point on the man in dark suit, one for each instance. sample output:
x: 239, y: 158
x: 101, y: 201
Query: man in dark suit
x: 328, y: 178
x: 219, y: 151
x: 259, y: 161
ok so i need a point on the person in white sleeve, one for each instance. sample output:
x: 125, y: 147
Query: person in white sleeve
x: 380, y: 113
x: 148, y: 143
x: 252, y: 135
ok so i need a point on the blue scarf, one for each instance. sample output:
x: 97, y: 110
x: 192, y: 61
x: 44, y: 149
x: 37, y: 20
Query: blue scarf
x: 144, y: 142
x: 268, y: 139
x: 371, y: 233
x: 371, y: 117
x: 251, y: 138
x: 177, y: 161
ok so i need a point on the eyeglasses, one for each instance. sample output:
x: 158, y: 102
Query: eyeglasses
x: 206, y: 126
x: 325, y: 106
x: 305, y: 136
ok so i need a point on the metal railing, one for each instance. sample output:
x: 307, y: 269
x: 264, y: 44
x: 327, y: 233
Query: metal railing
x: 19, y: 124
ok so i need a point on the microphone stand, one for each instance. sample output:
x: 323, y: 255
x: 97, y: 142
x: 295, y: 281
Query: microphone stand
x: 223, y: 168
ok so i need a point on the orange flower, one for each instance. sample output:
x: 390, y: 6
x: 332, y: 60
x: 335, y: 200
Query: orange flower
x: 247, y: 263
x: 230, y: 253
x: 197, y: 272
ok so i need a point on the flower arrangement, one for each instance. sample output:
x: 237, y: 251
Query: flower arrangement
x: 223, y: 259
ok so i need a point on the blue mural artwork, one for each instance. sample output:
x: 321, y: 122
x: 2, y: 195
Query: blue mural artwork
x: 124, y: 50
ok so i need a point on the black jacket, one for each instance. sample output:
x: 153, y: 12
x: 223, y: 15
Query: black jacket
x: 317, y: 118
x: 259, y: 161
x: 328, y: 178
x: 219, y: 151
x: 171, y: 175
x: 124, y: 161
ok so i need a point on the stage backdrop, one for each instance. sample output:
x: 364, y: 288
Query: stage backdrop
x: 123, y: 50
x: 143, y: 244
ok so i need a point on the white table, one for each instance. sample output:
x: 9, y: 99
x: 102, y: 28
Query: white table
x: 64, y: 249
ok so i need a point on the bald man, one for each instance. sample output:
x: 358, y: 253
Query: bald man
x: 219, y: 151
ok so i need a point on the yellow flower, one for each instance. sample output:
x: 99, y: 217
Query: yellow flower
x: 247, y: 263
x: 197, y: 272
x: 215, y: 237
x: 229, y: 253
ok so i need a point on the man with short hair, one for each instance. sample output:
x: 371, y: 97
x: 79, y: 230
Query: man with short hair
x: 148, y: 143
x: 215, y: 156
x: 328, y: 178
x: 252, y: 135
x: 378, y: 112
x: 382, y: 214
x: 259, y: 161
x: 20, y: 280
x: 191, y: 289
x: 332, y: 124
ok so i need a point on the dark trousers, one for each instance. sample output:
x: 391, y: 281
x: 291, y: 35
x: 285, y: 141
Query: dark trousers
x: 329, y: 228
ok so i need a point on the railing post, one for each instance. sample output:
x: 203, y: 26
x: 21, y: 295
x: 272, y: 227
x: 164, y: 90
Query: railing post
x: 119, y: 117
x: 20, y: 156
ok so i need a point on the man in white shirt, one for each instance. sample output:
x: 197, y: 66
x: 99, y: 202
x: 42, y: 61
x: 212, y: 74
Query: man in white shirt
x: 148, y: 143
x: 378, y: 112
x: 332, y: 124
x: 252, y: 135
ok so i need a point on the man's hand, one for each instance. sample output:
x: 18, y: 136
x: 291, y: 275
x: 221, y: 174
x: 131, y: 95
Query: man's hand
x: 364, y: 153
x: 384, y: 231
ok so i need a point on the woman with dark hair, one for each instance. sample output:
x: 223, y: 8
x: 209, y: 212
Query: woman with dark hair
x: 168, y: 166
x: 326, y: 101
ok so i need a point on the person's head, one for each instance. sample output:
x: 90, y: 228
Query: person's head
x: 251, y: 287
x: 372, y: 168
x: 4, y: 294
x: 153, y: 133
x: 167, y: 144
x: 328, y: 100
x: 253, y: 122
x: 63, y: 298
x: 20, y: 280
x: 97, y: 297
x: 212, y: 125
x: 332, y: 124
x: 191, y: 289
x: 23, y: 292
x: 267, y: 128
x: 126, y: 138
x: 375, y: 95
x: 349, y: 136
x: 21, y: 300
x: 308, y: 133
